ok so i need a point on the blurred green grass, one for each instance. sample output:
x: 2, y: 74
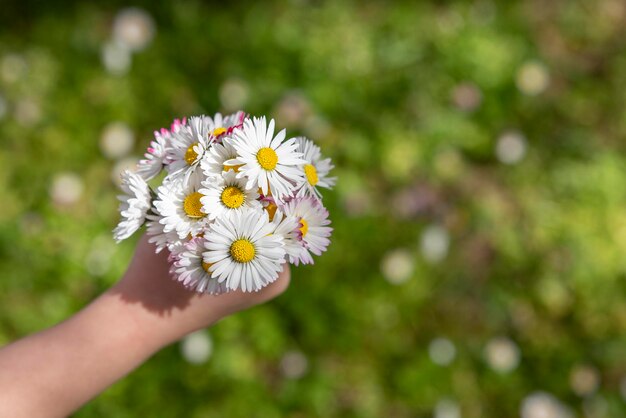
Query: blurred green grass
x: 480, y: 154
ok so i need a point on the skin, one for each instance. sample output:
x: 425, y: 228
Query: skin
x: 54, y: 372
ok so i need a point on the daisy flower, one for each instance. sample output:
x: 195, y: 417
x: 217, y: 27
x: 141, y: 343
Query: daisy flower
x: 267, y: 162
x: 233, y: 121
x: 189, y: 268
x: 178, y: 204
x: 222, y: 149
x: 315, y: 169
x: 188, y: 145
x: 226, y: 193
x: 312, y: 231
x: 221, y: 126
x: 151, y: 166
x: 134, y: 205
x: 215, y: 159
x: 243, y: 251
x: 157, y: 155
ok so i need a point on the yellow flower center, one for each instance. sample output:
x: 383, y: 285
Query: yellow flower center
x: 192, y: 205
x: 242, y: 251
x: 271, y: 210
x: 311, y: 174
x: 305, y: 227
x: 233, y: 197
x: 267, y: 158
x: 191, y: 155
x: 232, y: 167
x: 218, y: 131
x: 206, y: 266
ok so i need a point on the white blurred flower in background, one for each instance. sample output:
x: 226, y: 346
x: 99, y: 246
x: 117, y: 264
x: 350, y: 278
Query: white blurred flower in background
x: 98, y: 259
x: 584, y: 379
x: 502, y: 354
x: 434, y: 243
x: 441, y: 351
x: 543, y: 405
x: 27, y: 112
x: 447, y: 408
x: 532, y: 78
x: 234, y: 94
x: 197, y: 347
x: 511, y: 147
x: 116, y: 58
x: 129, y: 163
x: 13, y: 67
x: 294, y: 365
x: 133, y: 28
x: 117, y: 140
x: 66, y: 189
x: 398, y: 265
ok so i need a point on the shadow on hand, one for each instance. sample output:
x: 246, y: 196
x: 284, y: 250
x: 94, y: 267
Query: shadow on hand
x: 147, y: 281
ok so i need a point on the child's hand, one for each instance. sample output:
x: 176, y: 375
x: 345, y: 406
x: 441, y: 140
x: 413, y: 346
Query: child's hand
x: 177, y: 310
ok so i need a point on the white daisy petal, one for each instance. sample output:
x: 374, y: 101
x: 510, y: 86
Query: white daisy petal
x: 220, y: 265
x: 180, y: 208
x: 314, y: 169
x: 134, y: 205
x: 227, y: 193
x: 158, y: 236
x: 246, y: 249
x: 311, y: 233
x: 264, y: 157
x: 189, y: 267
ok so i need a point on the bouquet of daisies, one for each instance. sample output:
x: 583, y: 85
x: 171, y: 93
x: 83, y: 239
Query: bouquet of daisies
x: 234, y: 203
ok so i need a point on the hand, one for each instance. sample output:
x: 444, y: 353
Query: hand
x: 175, y: 309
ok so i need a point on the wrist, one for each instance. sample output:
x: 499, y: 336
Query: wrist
x: 161, y: 314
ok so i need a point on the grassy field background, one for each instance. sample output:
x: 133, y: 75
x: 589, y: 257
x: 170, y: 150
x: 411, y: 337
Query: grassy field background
x: 477, y: 267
